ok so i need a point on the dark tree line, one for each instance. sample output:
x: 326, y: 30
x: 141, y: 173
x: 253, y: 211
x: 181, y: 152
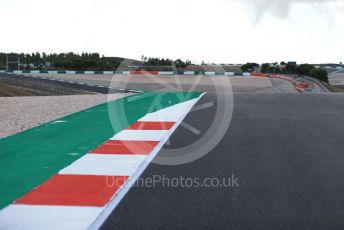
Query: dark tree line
x: 303, y: 69
x: 274, y: 68
x: 164, y: 62
x: 249, y: 67
x: 84, y: 61
x: 308, y: 70
x: 72, y: 61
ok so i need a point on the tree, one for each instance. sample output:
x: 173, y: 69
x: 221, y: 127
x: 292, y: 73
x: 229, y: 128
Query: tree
x: 320, y: 74
x: 179, y: 63
x: 248, y: 67
x: 265, y: 67
x: 290, y: 68
x: 304, y: 69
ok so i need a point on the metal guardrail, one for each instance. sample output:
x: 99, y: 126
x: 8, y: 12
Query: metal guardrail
x: 139, y: 72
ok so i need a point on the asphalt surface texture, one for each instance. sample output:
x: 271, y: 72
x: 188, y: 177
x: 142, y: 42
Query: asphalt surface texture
x: 55, y: 82
x: 282, y: 150
x: 285, y: 150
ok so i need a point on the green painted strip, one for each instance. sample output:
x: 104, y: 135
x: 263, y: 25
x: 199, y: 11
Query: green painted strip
x: 79, y: 72
x: 179, y: 72
x: 29, y: 158
x: 199, y: 72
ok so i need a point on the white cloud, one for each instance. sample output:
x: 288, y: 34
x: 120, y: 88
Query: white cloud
x: 216, y: 31
x: 281, y: 8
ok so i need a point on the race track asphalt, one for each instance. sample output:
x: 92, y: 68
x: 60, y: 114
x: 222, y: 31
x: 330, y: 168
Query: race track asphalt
x: 68, y: 83
x: 286, y: 151
x: 284, y: 148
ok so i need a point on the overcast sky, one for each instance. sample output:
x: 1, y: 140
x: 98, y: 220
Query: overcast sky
x: 221, y: 31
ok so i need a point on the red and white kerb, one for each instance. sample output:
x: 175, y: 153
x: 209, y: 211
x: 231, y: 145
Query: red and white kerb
x: 81, y: 196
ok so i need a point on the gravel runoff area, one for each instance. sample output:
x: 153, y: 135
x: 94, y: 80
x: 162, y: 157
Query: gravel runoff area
x: 21, y: 113
x: 188, y: 79
x: 137, y: 81
x: 239, y: 83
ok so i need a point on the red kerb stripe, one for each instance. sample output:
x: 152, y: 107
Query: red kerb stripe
x: 74, y: 190
x: 125, y: 147
x: 142, y: 125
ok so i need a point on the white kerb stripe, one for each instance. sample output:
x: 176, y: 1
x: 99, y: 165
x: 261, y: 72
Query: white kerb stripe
x: 73, y: 217
x: 125, y: 188
x: 172, y: 113
x: 140, y: 135
x: 47, y: 217
x: 105, y: 165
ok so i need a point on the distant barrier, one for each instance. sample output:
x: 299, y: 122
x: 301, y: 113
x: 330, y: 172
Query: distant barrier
x: 299, y: 86
x: 141, y: 72
x: 144, y: 72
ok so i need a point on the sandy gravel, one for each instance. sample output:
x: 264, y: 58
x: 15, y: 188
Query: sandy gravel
x: 252, y: 82
x: 20, y: 113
